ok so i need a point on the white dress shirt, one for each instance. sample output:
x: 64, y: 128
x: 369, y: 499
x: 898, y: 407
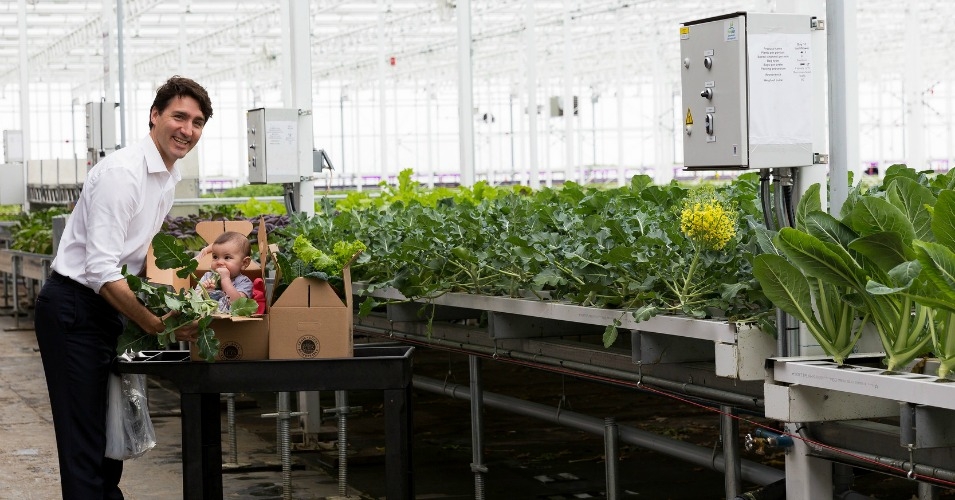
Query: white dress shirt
x: 124, y: 200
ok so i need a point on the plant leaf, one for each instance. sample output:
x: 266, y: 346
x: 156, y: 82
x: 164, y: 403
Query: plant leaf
x: 610, y: 333
x: 885, y: 249
x: 785, y: 286
x: 828, y: 228
x: 243, y: 306
x: 905, y: 274
x: 943, y: 219
x: 764, y: 238
x: 367, y: 306
x: 809, y: 202
x: 208, y: 344
x: 169, y: 251
x: 938, y: 263
x: 913, y: 198
x: 873, y: 215
x: 815, y: 258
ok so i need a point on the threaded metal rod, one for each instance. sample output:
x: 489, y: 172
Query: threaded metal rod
x: 230, y: 419
x: 341, y: 401
x: 477, y: 425
x: 283, y: 443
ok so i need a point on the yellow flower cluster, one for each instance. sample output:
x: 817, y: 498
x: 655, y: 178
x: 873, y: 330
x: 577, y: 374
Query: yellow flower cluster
x: 710, y: 223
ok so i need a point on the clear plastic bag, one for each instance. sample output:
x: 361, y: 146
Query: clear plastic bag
x: 129, y: 430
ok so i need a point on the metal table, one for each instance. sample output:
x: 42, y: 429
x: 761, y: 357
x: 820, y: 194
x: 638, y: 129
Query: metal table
x: 385, y: 368
x: 25, y: 265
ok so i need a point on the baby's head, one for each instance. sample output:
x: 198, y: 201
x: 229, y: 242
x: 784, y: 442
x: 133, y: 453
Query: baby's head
x: 231, y: 250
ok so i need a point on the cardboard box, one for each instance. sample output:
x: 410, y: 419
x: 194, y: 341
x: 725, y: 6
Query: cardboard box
x: 240, y: 338
x: 310, y: 321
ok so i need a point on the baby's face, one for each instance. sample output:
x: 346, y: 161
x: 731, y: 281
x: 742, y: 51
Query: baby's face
x: 229, y: 256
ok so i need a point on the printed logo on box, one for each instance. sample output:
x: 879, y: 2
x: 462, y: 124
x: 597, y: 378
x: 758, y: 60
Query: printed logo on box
x: 230, y: 350
x: 307, y: 346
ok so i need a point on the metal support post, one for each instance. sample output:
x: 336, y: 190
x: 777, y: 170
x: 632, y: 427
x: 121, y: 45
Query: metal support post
x: 230, y: 422
x: 477, y: 426
x: 807, y: 478
x: 282, y: 440
x: 16, y: 295
x: 282, y: 443
x: 611, y: 448
x: 342, y: 410
x: 928, y: 491
x: 729, y: 433
x: 6, y: 290
x: 309, y: 403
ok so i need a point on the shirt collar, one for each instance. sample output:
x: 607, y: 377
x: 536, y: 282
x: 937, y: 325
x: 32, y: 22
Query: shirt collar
x: 154, y: 163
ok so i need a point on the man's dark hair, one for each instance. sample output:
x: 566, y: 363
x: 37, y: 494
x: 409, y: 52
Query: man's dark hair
x: 178, y: 86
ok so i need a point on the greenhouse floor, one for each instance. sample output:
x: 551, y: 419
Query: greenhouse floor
x: 525, y: 458
x: 28, y: 463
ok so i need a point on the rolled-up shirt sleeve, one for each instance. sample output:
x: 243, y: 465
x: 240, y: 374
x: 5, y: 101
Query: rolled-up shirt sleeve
x: 116, y: 192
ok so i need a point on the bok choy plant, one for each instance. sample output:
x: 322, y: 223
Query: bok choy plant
x: 868, y: 258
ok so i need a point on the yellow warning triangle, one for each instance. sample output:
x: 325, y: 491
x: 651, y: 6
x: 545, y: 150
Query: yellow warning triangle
x: 689, y: 117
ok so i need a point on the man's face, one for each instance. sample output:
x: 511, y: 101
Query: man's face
x: 177, y: 129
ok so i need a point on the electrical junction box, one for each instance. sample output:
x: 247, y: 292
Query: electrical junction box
x: 273, y: 145
x: 13, y: 146
x: 13, y: 187
x: 747, y: 91
x: 100, y: 130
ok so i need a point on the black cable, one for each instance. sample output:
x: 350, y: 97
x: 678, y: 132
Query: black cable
x: 765, y: 199
x: 102, y: 150
x: 289, y: 199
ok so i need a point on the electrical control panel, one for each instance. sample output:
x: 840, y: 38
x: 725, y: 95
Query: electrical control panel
x: 13, y: 146
x: 747, y: 91
x: 100, y: 130
x: 273, y: 145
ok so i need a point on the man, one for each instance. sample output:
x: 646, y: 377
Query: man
x: 122, y: 205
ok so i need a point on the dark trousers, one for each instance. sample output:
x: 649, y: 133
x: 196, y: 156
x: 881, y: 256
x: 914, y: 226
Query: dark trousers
x: 76, y: 330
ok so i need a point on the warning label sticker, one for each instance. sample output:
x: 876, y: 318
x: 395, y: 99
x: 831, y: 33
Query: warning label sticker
x: 689, y: 117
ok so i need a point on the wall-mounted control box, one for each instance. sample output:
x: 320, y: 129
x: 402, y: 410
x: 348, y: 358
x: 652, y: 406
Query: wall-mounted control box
x: 273, y: 145
x: 100, y: 130
x: 747, y: 91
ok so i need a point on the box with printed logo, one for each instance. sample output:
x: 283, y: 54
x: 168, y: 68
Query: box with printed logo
x: 311, y: 321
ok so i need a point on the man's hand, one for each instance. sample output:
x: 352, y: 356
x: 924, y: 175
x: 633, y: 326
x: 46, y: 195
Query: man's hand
x: 185, y: 333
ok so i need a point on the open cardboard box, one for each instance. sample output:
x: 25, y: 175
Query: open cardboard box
x: 240, y: 338
x: 310, y: 321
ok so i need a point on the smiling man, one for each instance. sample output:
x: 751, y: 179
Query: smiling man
x: 81, y: 309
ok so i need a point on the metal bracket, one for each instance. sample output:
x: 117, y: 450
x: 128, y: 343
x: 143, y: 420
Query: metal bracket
x: 304, y: 112
x: 280, y: 415
x: 820, y: 158
x: 817, y: 24
x: 478, y: 468
x: 347, y: 410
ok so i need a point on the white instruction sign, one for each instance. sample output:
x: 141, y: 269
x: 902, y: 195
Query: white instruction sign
x: 780, y: 89
x: 281, y: 133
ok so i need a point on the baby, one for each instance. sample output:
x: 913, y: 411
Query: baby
x: 225, y: 282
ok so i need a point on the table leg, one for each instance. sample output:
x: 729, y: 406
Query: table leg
x: 201, y: 446
x: 398, y: 440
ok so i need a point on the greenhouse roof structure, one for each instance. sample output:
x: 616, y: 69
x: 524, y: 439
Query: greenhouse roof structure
x: 386, y: 75
x: 218, y: 40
